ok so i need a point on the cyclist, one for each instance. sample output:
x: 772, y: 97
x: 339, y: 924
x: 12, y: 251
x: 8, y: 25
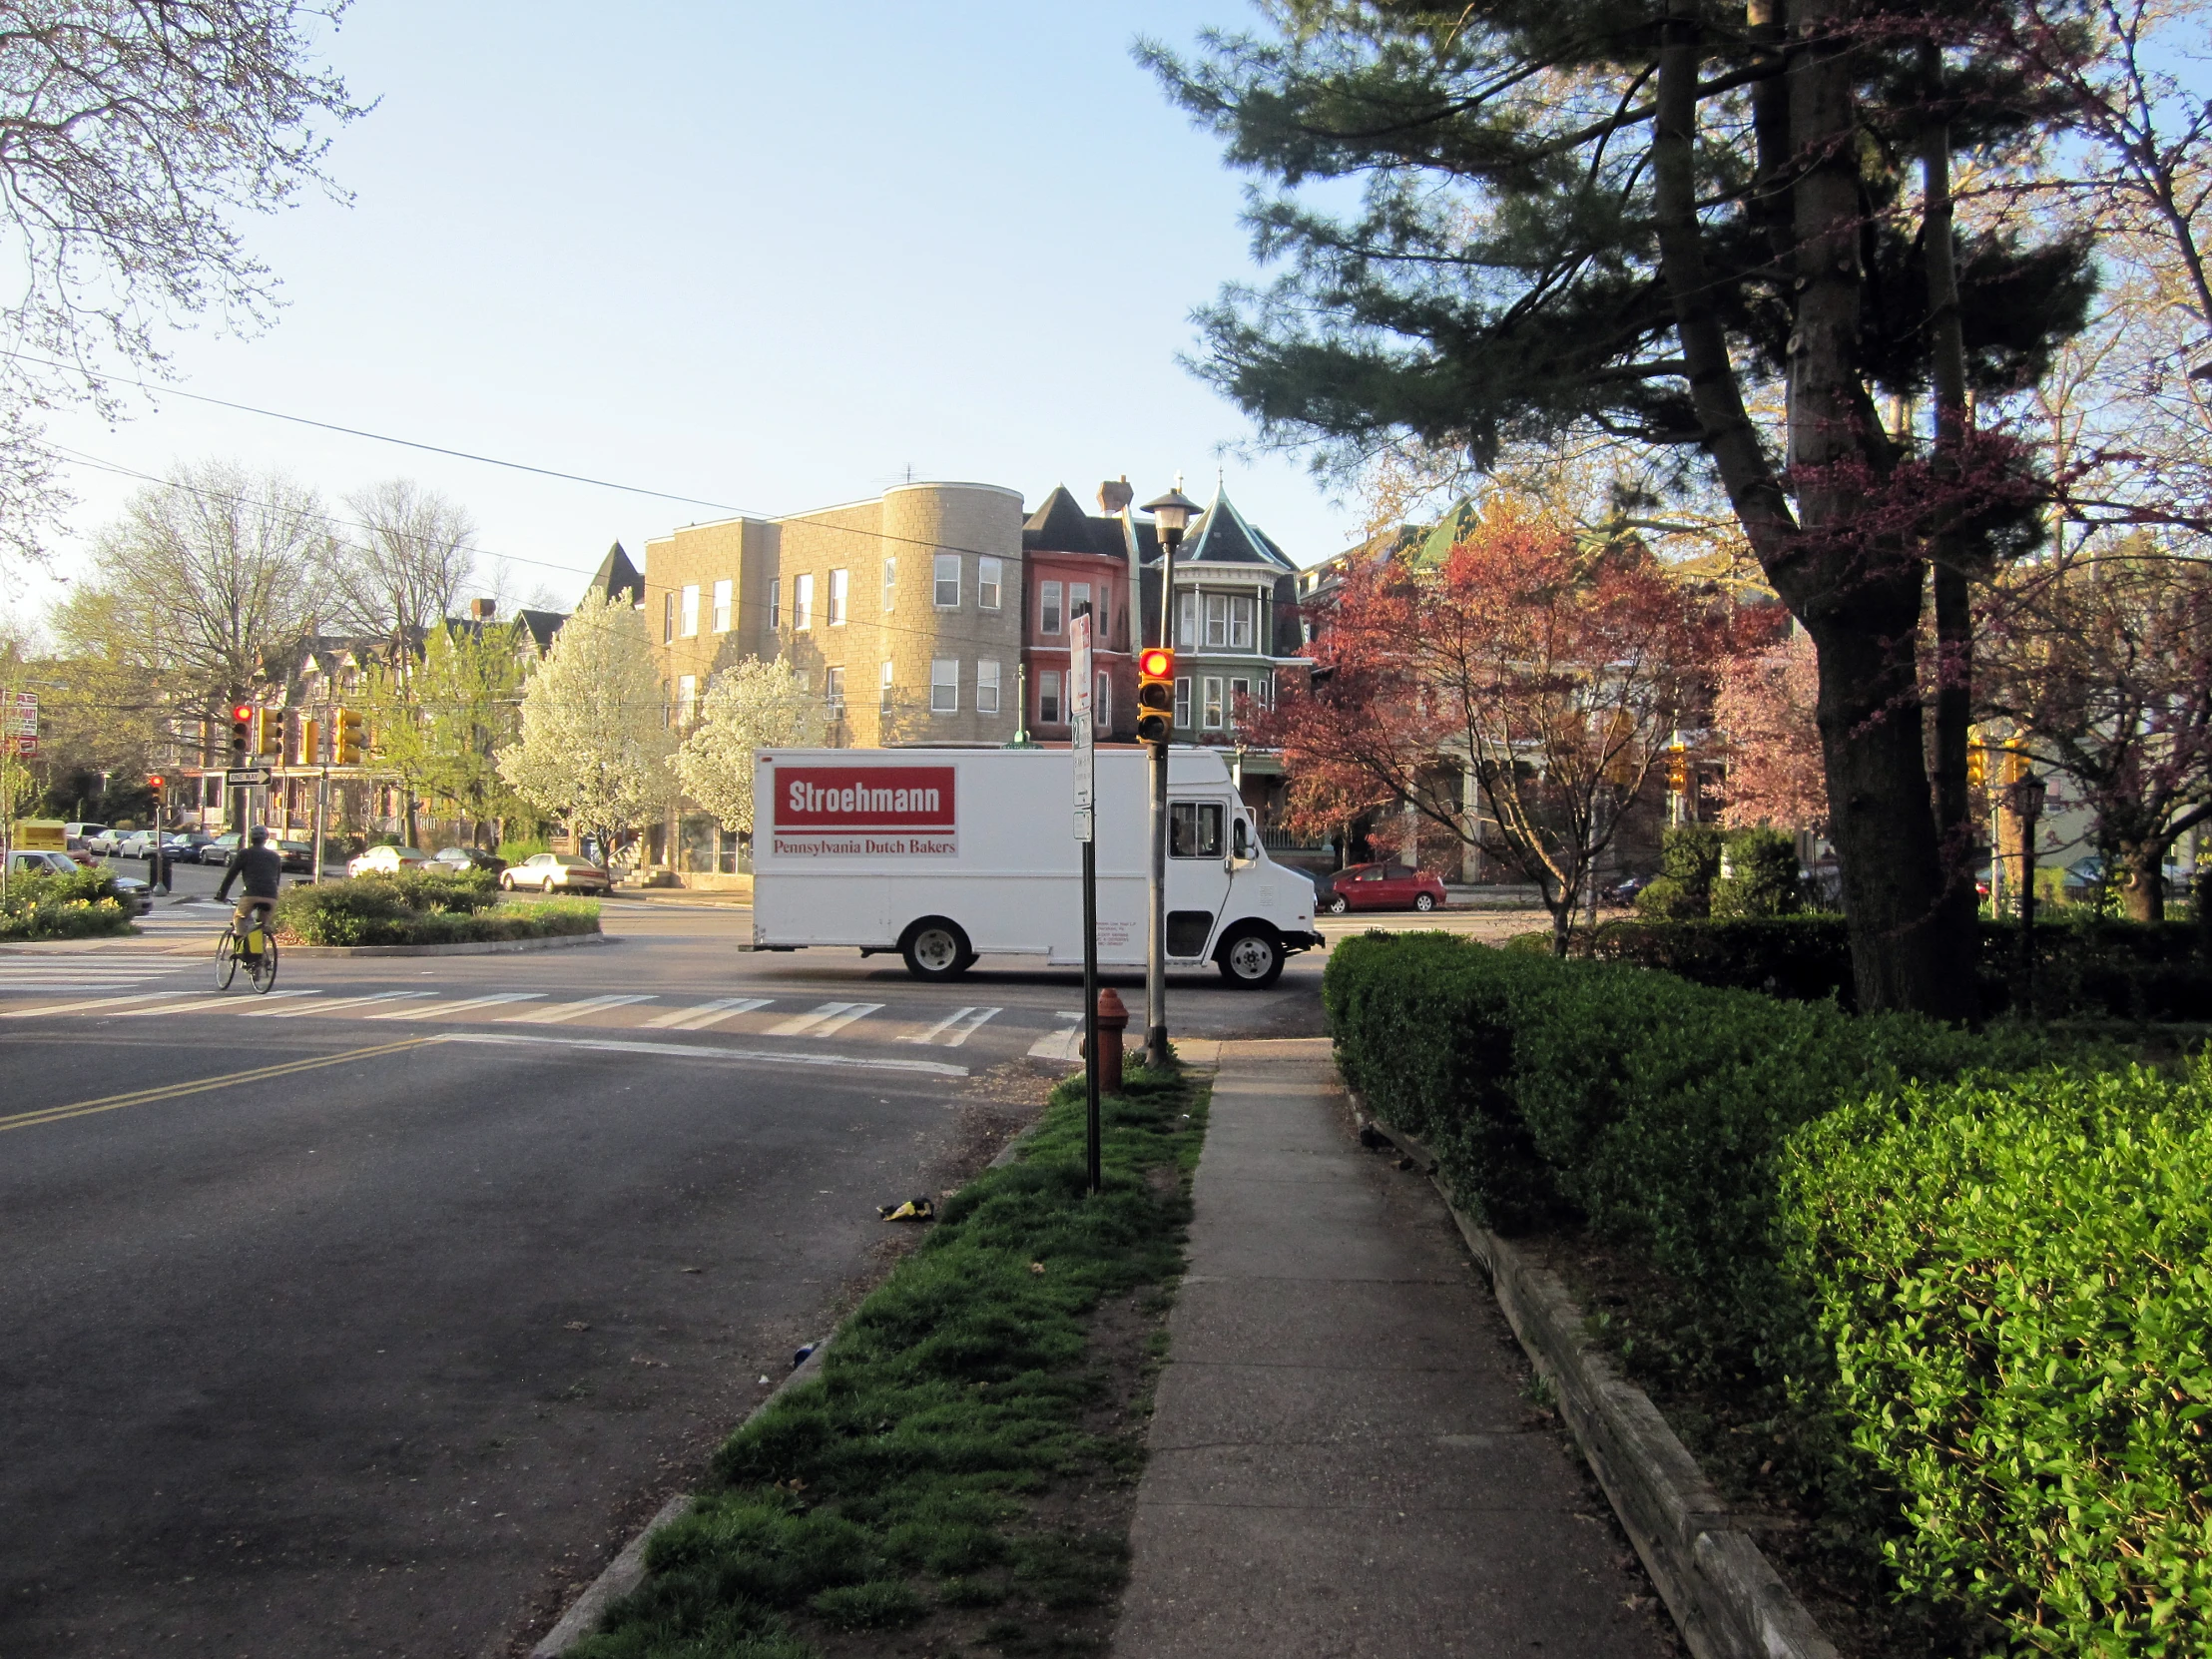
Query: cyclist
x: 259, y: 869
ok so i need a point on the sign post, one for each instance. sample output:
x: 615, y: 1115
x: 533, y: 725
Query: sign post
x: 1081, y: 745
x: 18, y: 740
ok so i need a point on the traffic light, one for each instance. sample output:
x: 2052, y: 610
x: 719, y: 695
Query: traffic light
x: 349, y: 738
x: 154, y: 783
x: 1678, y: 768
x: 268, y: 732
x: 1155, y: 693
x: 1977, y: 767
x: 242, y: 721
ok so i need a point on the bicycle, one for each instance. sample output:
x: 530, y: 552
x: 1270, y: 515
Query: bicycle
x: 233, y: 949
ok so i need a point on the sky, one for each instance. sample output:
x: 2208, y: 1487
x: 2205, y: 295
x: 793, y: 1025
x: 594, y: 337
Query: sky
x: 769, y: 256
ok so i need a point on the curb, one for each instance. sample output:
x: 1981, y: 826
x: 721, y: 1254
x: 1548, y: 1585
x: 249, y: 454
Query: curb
x: 469, y: 947
x: 1726, y: 1597
x: 626, y: 1570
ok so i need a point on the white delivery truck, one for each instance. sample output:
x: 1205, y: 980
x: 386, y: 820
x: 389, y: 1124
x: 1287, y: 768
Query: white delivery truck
x: 943, y: 855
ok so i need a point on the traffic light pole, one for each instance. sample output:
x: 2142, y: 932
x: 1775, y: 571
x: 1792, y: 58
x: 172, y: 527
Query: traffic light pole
x: 1155, y: 877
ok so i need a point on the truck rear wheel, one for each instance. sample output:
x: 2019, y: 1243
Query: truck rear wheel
x: 1252, y: 958
x: 936, y: 948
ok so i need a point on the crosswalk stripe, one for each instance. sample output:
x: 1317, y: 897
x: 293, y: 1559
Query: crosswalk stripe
x: 982, y: 1018
x: 82, y: 1008
x: 785, y: 1056
x: 446, y: 1010
x: 961, y: 1023
x: 820, y: 1023
x: 1061, y: 1044
x: 931, y: 1035
x: 561, y: 1011
x: 334, y: 1007
x: 212, y: 1003
x: 704, y: 1014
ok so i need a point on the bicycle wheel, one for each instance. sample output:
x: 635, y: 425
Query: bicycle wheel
x: 262, y: 968
x: 226, y: 957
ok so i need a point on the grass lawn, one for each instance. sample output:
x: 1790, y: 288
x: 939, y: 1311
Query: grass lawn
x: 962, y: 1473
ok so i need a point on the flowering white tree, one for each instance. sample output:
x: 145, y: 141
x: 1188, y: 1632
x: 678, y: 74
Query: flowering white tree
x: 595, y: 738
x: 752, y: 705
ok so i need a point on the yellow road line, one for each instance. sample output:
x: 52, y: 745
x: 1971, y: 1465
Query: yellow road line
x: 173, y: 1091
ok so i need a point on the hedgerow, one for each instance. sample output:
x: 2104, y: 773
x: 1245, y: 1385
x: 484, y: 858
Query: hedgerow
x: 422, y: 908
x: 83, y: 905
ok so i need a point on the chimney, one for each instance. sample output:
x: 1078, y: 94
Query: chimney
x: 1114, y: 496
x: 483, y: 610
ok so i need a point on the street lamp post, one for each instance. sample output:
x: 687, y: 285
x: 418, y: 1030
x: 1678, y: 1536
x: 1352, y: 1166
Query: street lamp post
x: 1170, y: 516
x: 2028, y: 802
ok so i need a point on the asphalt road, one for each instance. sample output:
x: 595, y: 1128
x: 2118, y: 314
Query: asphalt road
x: 368, y: 1318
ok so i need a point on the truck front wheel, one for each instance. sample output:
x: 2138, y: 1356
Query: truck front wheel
x: 936, y: 948
x: 1253, y: 959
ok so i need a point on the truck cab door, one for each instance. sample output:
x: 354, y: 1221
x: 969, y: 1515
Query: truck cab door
x: 1198, y: 873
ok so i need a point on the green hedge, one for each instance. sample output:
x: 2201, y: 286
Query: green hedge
x: 2084, y: 968
x: 2016, y: 1279
x: 79, y: 906
x: 415, y: 909
x: 1973, y: 1288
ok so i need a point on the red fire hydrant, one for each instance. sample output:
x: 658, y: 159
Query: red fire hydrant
x: 1113, y: 1020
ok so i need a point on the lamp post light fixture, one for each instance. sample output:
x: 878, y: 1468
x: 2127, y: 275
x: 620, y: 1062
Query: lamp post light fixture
x: 1170, y: 516
x: 2026, y: 797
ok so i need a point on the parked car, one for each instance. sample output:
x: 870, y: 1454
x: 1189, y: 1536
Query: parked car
x: 219, y: 849
x: 551, y: 872
x: 388, y: 861
x: 74, y: 836
x: 137, y: 897
x: 100, y: 842
x: 467, y: 858
x: 1625, y: 892
x: 184, y: 844
x: 1384, y: 887
x: 135, y: 844
x: 298, y: 856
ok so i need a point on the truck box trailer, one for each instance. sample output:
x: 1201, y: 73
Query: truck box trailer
x: 945, y: 855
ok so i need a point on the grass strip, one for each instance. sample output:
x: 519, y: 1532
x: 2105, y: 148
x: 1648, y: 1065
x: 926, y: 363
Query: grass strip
x: 968, y: 1460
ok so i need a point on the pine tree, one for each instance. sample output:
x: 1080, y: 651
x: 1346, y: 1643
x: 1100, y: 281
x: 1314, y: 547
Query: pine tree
x: 595, y: 740
x: 1657, y: 221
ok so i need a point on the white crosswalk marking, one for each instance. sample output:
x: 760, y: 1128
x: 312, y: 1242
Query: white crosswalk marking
x: 83, y: 1007
x: 215, y: 1003
x: 334, y: 1007
x: 445, y: 1010
x: 1062, y: 1044
x: 830, y: 1016
x: 955, y: 1028
x: 704, y: 1014
x: 561, y: 1011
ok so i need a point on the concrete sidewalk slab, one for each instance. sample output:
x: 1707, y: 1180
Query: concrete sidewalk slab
x: 1343, y: 1459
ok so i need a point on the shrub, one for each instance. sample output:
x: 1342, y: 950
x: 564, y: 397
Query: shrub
x: 1690, y: 858
x: 1759, y: 877
x: 376, y: 910
x: 83, y: 905
x: 1664, y: 898
x: 2013, y: 1276
x: 515, y: 851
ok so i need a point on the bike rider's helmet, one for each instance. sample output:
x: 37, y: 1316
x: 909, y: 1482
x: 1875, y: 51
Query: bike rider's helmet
x: 258, y: 835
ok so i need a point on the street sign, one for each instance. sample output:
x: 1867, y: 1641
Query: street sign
x: 21, y: 736
x: 246, y: 778
x: 1079, y: 722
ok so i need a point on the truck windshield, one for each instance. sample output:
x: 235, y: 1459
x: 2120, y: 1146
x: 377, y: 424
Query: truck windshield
x: 1194, y: 829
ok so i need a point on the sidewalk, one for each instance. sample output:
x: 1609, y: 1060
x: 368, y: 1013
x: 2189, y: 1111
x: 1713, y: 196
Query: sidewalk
x: 1342, y: 1459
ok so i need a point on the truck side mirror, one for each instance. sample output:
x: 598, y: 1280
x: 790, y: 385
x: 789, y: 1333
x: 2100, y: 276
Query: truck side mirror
x: 1240, y: 838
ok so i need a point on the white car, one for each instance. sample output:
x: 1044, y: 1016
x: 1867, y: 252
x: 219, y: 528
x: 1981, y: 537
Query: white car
x: 388, y: 861
x: 556, y: 872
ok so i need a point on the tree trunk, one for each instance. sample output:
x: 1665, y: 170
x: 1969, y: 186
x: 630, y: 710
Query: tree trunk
x: 2143, y: 873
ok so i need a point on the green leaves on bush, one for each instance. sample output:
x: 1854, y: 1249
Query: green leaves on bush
x: 2016, y: 1280
x: 83, y: 905
x: 1759, y: 877
x: 415, y: 907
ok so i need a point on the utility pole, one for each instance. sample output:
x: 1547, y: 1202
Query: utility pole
x: 1171, y: 515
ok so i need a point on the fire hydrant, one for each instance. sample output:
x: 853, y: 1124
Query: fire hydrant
x: 1113, y: 1020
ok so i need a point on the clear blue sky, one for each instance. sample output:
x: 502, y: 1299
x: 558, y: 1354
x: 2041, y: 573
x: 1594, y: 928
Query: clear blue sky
x: 767, y: 254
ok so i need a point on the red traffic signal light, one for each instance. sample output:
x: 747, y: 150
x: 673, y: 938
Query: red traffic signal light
x: 155, y: 781
x: 241, y: 711
x: 1155, y: 693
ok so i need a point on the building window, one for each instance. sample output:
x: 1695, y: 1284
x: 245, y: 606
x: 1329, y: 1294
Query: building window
x: 724, y: 592
x: 887, y: 685
x: 1183, y: 702
x: 949, y: 581
x: 1048, y: 698
x: 945, y: 686
x: 836, y: 616
x: 668, y: 616
x: 891, y: 585
x: 1048, y: 607
x: 833, y: 693
x: 1102, y: 705
x: 1217, y: 620
x: 1241, y: 701
x: 1186, y: 621
x: 1241, y: 610
x: 690, y: 611
x: 774, y: 604
x: 687, y: 697
x: 1212, y: 712
x: 987, y: 582
x: 802, y: 603
x: 986, y: 687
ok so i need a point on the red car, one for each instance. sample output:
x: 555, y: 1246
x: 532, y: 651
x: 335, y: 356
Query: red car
x: 1383, y: 887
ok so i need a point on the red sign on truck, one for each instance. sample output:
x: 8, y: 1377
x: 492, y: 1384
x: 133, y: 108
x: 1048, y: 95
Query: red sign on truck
x: 865, y: 810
